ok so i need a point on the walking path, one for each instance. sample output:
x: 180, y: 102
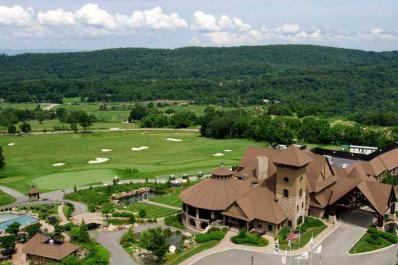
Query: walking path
x: 161, y: 205
x: 16, y: 194
x: 19, y: 258
x: 61, y: 214
x: 50, y: 106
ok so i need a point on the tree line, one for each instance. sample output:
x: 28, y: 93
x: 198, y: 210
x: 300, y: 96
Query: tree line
x: 240, y: 123
x: 10, y: 118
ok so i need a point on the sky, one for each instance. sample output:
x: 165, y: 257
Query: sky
x: 89, y: 25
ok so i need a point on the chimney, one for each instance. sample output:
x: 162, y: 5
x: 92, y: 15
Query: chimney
x: 262, y: 167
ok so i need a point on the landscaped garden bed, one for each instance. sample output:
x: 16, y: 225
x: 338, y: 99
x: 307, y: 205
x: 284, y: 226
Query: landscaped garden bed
x: 249, y: 239
x: 310, y: 228
x: 374, y: 239
x: 153, y: 246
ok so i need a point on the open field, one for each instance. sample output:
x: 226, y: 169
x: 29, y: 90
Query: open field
x: 152, y: 211
x: 6, y: 198
x: 172, y: 199
x: 30, y: 160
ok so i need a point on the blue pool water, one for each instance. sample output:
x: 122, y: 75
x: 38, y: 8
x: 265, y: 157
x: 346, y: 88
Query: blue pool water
x: 8, y: 218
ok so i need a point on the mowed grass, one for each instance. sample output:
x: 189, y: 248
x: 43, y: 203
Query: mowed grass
x: 6, y: 198
x: 152, y: 211
x: 172, y: 199
x: 30, y: 160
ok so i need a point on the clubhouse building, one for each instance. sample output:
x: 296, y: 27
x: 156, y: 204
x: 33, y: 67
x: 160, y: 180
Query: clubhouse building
x: 272, y: 188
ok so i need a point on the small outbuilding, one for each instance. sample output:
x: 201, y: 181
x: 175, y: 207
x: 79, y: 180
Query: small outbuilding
x: 41, y: 249
x: 33, y: 193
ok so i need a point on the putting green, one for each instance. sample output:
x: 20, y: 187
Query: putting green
x: 65, y: 180
x: 31, y: 159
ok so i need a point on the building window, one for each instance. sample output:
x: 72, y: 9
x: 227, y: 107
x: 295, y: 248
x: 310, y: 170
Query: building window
x: 289, y: 223
x: 286, y: 179
x: 297, y: 207
x: 269, y: 227
x: 285, y: 193
x: 301, y: 192
x: 302, y: 205
x: 301, y: 178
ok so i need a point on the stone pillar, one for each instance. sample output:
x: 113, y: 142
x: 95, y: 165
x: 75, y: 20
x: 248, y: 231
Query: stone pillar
x: 197, y: 222
x: 223, y: 220
x: 380, y: 221
x: 247, y: 226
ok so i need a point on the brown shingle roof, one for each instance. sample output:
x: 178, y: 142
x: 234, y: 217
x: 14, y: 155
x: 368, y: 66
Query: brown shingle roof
x: 293, y: 156
x: 215, y: 194
x: 319, y: 173
x: 222, y: 172
x: 390, y: 159
x: 38, y: 246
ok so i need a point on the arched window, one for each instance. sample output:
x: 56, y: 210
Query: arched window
x: 301, y: 192
x: 286, y: 179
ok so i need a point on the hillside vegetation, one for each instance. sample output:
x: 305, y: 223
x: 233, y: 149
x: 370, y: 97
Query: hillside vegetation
x: 305, y: 78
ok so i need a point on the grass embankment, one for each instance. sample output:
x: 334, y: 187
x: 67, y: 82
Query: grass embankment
x: 178, y: 258
x: 152, y: 211
x: 310, y: 228
x: 6, y: 198
x: 172, y: 199
x: 373, y: 240
x: 31, y: 159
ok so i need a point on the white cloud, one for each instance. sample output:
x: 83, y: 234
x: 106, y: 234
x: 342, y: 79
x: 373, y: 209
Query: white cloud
x: 227, y: 38
x: 156, y: 19
x: 208, y: 23
x: 15, y: 16
x: 57, y: 17
x: 93, y: 15
x: 288, y: 29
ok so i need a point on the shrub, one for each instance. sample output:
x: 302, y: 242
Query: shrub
x: 128, y: 239
x: 142, y: 213
x: 389, y: 237
x: 309, y: 223
x: 245, y: 238
x: 212, y: 234
x: 284, y: 233
x: 174, y: 220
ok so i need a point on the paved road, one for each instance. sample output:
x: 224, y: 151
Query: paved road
x: 334, y: 252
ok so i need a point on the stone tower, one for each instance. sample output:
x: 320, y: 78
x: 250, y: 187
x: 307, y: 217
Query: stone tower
x: 291, y: 183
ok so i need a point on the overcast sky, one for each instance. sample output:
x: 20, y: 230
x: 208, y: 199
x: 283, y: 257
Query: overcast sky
x: 76, y: 24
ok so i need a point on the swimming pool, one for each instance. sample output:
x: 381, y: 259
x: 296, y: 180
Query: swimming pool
x: 8, y: 218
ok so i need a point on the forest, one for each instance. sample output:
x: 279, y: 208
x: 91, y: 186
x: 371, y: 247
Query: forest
x: 302, y: 79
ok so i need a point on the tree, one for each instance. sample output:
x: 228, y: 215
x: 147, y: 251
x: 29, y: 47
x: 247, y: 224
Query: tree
x: 137, y: 112
x: 2, y: 160
x: 12, y: 129
x: 80, y: 233
x: 107, y: 209
x: 33, y: 229
x: 13, y: 228
x: 73, y: 127
x: 61, y: 114
x: 86, y: 120
x: 154, y: 240
x: 40, y: 116
x: 8, y: 243
x: 25, y: 127
x: 131, y: 219
x: 58, y: 233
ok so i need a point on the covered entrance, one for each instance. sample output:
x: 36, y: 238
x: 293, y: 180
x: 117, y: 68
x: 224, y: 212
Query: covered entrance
x: 362, y: 203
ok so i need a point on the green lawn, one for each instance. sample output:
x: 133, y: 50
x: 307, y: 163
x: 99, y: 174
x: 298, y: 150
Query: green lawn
x: 172, y: 199
x: 6, y: 198
x: 363, y: 245
x: 31, y: 159
x: 152, y: 211
x: 180, y: 257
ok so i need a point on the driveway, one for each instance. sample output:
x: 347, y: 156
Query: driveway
x: 111, y: 241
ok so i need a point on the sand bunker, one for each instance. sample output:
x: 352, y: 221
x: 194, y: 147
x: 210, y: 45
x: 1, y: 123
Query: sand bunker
x: 174, y: 140
x: 139, y: 148
x: 11, y: 144
x: 114, y: 129
x: 106, y: 150
x: 228, y: 150
x: 98, y: 160
x: 218, y: 154
x: 58, y: 164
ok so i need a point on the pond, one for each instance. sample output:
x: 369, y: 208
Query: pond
x: 137, y: 197
x: 8, y: 218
